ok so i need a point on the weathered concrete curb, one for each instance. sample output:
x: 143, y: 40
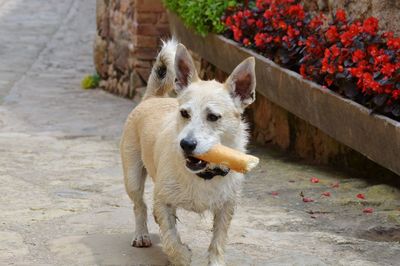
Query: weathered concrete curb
x: 375, y: 136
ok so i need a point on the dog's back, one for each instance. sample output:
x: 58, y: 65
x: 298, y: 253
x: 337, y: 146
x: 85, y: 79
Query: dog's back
x: 148, y: 115
x: 151, y: 117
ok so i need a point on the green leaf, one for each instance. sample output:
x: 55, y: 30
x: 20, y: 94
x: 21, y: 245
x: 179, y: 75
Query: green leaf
x: 203, y: 16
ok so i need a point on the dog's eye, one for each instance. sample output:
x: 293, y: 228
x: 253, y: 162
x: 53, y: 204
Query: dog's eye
x: 213, y: 117
x: 185, y: 114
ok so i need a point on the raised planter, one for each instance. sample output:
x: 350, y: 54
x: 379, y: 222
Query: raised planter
x: 375, y: 136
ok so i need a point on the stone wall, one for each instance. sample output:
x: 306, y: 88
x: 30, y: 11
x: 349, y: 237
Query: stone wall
x: 128, y: 37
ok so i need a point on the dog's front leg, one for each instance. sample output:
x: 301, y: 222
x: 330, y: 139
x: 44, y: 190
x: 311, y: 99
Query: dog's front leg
x: 222, y: 221
x: 177, y: 252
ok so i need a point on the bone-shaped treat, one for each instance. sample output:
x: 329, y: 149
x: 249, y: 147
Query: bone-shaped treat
x: 235, y: 160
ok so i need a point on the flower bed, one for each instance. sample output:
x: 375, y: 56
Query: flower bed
x: 346, y: 56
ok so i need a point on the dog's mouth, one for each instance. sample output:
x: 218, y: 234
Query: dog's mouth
x: 195, y: 164
x: 203, y: 169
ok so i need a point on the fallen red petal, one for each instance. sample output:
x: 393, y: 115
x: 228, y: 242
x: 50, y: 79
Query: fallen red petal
x: 368, y: 210
x: 326, y: 194
x: 361, y: 196
x: 274, y: 193
x: 305, y: 199
x: 335, y: 185
x: 314, y: 180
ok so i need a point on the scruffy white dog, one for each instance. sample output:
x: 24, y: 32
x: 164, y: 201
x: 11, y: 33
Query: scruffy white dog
x: 161, y: 136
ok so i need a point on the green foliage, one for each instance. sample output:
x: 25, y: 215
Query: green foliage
x: 90, y: 81
x: 203, y: 16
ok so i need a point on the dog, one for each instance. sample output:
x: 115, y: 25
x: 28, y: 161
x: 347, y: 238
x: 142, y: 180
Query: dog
x: 163, y: 134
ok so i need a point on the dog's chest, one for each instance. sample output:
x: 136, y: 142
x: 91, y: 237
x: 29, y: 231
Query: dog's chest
x: 199, y: 195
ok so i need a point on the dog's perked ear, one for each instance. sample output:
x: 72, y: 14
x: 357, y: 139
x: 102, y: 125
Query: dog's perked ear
x: 242, y: 83
x: 184, y: 68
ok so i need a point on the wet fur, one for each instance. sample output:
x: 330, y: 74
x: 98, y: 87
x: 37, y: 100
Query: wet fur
x: 150, y: 146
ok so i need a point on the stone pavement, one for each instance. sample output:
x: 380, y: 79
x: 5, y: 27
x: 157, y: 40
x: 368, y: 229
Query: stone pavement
x: 62, y: 200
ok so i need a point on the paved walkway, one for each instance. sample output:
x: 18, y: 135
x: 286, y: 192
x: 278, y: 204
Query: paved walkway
x: 62, y: 200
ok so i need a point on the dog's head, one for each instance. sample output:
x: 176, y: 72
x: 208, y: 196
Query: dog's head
x: 210, y: 112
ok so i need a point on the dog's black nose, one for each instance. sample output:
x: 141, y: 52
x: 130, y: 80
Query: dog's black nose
x: 188, y: 144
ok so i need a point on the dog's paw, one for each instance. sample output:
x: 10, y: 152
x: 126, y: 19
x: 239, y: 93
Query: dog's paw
x: 141, y: 241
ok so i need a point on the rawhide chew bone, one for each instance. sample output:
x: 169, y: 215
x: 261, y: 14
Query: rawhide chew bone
x: 235, y: 160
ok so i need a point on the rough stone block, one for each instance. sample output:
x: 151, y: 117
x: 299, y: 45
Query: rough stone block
x: 144, y: 73
x: 145, y: 53
x: 100, y: 56
x: 141, y: 63
x: 145, y: 41
x: 149, y: 6
x: 121, y: 54
x: 151, y: 30
x: 146, y: 17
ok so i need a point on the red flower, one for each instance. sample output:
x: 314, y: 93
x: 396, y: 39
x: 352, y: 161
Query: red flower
x: 296, y: 11
x: 369, y: 83
x: 228, y: 21
x: 372, y: 50
x: 340, y: 15
x: 259, y: 39
x: 282, y: 25
x: 370, y: 25
x: 237, y: 33
x: 360, y: 196
x: 274, y: 193
x: 305, y: 199
x: 326, y: 194
x: 347, y: 37
x: 259, y: 24
x: 368, y: 210
x: 393, y: 43
x: 396, y: 94
x: 358, y: 55
x: 250, y: 21
x: 316, y: 22
x: 388, y: 69
x: 382, y: 59
x: 329, y: 80
x: 303, y: 70
x: 335, y: 51
x: 246, y: 41
x: 331, y: 34
x: 357, y: 71
x: 268, y: 14
x: 314, y: 180
x: 292, y: 33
